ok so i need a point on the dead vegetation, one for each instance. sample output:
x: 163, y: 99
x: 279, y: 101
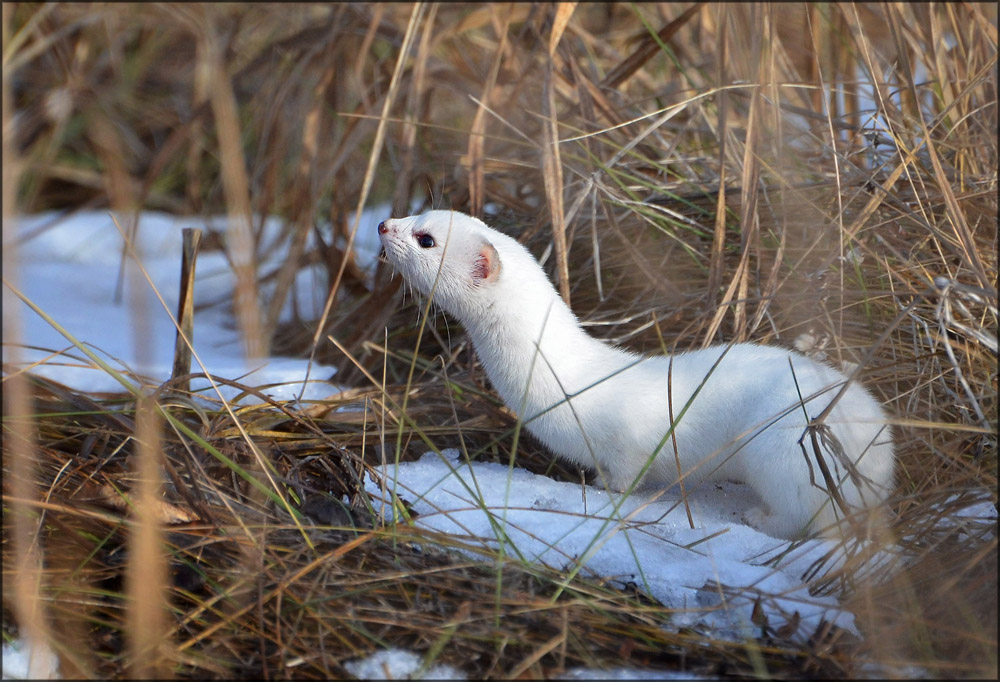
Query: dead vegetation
x: 819, y: 175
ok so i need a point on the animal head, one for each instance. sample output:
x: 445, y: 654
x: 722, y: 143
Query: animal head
x: 443, y: 254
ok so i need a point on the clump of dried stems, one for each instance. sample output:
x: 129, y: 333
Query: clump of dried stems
x: 816, y: 175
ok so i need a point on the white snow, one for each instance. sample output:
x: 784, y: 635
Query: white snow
x: 646, y: 541
x: 399, y: 664
x: 977, y: 519
x: 69, y: 268
x: 22, y: 661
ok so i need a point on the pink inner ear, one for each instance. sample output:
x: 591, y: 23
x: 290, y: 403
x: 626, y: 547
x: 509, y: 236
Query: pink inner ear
x: 487, y: 265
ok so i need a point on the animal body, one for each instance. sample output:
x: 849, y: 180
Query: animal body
x: 739, y: 412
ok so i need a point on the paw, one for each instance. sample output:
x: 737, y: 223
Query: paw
x: 774, y: 525
x: 757, y: 518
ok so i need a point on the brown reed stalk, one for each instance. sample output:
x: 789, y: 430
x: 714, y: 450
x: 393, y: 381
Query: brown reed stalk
x: 20, y: 437
x: 239, y: 239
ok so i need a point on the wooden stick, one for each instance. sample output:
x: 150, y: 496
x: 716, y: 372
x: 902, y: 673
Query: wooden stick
x: 185, y: 308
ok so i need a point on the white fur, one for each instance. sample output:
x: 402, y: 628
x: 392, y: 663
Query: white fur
x: 601, y: 406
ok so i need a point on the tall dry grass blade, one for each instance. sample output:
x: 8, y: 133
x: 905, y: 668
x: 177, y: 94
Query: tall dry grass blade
x: 984, y: 24
x: 304, y: 204
x: 477, y: 132
x: 16, y: 56
x: 364, y: 53
x: 737, y: 292
x: 650, y: 46
x: 117, y: 180
x: 553, y: 178
x: 960, y: 227
x: 20, y: 437
x: 373, y: 157
x: 716, y: 264
x: 415, y: 98
x: 235, y: 184
x: 146, y: 573
x: 750, y: 180
x: 146, y: 576
x: 196, y: 125
x: 563, y: 13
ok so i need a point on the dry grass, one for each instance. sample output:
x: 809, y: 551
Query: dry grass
x: 820, y: 173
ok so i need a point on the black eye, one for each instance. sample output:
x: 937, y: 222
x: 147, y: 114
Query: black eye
x: 425, y: 240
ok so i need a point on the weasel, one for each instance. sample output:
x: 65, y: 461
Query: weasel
x: 738, y: 411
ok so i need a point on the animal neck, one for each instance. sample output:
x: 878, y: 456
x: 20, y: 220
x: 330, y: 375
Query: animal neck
x: 535, y: 352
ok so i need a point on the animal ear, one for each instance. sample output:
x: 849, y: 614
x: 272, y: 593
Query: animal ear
x: 486, y: 267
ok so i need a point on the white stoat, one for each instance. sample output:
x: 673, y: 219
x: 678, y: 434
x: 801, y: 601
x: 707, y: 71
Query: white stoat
x: 604, y: 407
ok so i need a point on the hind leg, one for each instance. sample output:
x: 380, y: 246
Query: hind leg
x: 793, y: 503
